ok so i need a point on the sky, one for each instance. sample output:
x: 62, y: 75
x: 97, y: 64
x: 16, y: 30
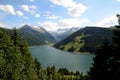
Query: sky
x: 55, y: 14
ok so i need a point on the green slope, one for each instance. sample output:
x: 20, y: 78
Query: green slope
x: 35, y: 37
x: 32, y: 36
x: 85, y: 40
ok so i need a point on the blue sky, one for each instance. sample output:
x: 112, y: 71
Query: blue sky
x: 55, y: 14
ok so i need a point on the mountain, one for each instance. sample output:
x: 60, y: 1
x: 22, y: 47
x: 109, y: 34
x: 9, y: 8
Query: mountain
x: 61, y: 34
x: 35, y: 36
x: 85, y: 39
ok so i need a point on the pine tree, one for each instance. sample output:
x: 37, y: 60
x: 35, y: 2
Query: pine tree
x: 115, y: 58
x: 100, y: 65
x: 29, y: 70
x: 107, y: 59
x: 7, y: 57
x: 16, y: 62
x: 15, y: 37
x: 39, y: 70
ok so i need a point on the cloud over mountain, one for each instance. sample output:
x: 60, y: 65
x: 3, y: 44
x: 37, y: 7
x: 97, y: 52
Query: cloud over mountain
x: 62, y: 23
x: 108, y: 21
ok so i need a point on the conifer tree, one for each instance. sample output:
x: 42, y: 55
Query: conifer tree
x: 29, y: 69
x: 107, y: 59
x: 115, y: 58
x: 15, y: 37
x: 39, y: 68
x: 100, y: 65
x: 16, y: 62
x: 7, y: 58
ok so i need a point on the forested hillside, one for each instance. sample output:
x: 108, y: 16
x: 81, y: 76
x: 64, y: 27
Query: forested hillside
x: 16, y: 62
x: 33, y: 36
x: 106, y: 65
x: 85, y: 40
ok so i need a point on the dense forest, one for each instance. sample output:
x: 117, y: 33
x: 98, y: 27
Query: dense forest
x: 16, y: 62
x: 38, y: 36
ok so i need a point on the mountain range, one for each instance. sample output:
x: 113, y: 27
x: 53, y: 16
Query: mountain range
x: 85, y: 39
x: 33, y: 35
x: 61, y: 34
x: 69, y: 39
x: 36, y: 35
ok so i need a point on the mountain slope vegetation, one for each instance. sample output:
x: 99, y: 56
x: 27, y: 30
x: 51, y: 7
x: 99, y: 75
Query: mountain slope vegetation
x: 33, y: 35
x: 16, y: 62
x: 85, y: 40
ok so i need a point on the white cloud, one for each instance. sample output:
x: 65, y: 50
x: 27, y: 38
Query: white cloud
x: 77, y: 10
x: 118, y: 0
x: 32, y: 0
x: 19, y: 13
x: 107, y: 22
x: 67, y: 23
x: 49, y: 25
x: 29, y: 8
x: 53, y: 17
x: 37, y: 15
x: 47, y: 12
x: 63, y: 23
x: 8, y: 8
x: 33, y: 7
x: 74, y: 9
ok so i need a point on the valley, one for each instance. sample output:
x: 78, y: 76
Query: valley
x: 59, y: 39
x: 74, y: 39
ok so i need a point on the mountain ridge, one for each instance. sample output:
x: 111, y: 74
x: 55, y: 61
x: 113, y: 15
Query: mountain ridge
x: 85, y: 40
x: 38, y: 36
x: 61, y: 34
x: 33, y: 35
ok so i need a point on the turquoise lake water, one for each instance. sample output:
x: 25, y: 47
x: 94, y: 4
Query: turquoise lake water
x: 49, y: 56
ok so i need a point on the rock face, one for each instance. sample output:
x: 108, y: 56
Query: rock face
x: 61, y: 34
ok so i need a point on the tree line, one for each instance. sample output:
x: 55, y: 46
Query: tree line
x: 16, y: 62
x: 106, y: 64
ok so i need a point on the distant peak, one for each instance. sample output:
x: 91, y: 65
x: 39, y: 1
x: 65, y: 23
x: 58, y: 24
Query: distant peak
x: 26, y: 25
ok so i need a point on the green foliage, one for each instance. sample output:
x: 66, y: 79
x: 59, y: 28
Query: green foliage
x: 63, y: 71
x: 85, y: 40
x: 100, y: 65
x: 15, y: 37
x: 107, y: 60
x: 75, y: 45
x: 35, y: 37
x: 16, y: 63
x: 32, y: 36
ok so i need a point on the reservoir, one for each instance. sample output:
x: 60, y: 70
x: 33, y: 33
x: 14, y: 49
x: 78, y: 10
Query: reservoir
x: 49, y: 56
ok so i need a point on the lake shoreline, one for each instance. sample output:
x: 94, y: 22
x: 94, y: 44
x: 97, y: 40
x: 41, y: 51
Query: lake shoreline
x: 61, y: 50
x: 49, y: 56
